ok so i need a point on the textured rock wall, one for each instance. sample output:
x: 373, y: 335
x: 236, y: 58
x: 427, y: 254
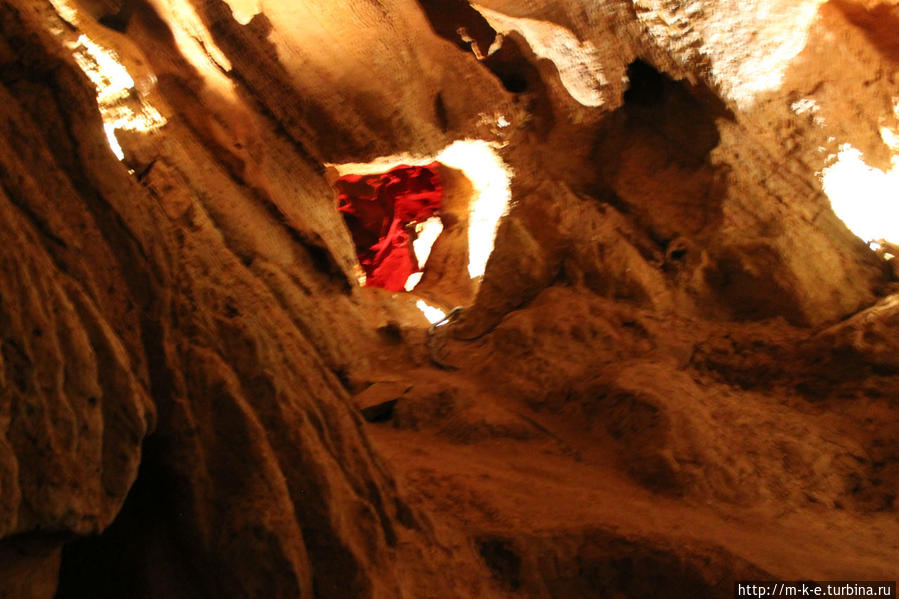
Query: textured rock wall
x: 76, y: 402
x: 183, y: 328
x: 184, y: 283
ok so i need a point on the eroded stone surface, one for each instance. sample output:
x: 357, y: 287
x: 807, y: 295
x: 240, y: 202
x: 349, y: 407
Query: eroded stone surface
x: 678, y: 360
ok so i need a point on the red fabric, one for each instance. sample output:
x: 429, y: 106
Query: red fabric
x: 378, y: 209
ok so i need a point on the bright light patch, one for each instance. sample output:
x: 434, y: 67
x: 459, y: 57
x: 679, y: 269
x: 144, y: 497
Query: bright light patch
x: 577, y: 62
x: 434, y: 315
x: 111, y: 79
x: 753, y: 43
x: 749, y: 43
x: 890, y: 138
x: 193, y: 39
x: 243, y: 11
x: 120, y: 105
x: 109, y: 129
x: 65, y: 11
x: 427, y: 233
x: 808, y: 106
x: 863, y: 197
x: 380, y: 165
x: 489, y: 176
x: 804, y: 105
x: 413, y: 280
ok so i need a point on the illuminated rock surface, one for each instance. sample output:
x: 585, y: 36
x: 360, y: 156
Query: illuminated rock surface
x: 678, y: 369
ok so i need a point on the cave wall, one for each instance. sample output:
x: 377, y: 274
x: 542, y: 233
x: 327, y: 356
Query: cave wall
x: 181, y: 284
x: 188, y: 317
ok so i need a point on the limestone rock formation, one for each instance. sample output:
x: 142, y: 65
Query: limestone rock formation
x: 678, y: 370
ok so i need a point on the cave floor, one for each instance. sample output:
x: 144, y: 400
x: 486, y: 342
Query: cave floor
x: 558, y: 489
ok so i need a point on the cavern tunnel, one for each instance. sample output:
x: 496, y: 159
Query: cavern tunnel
x: 385, y: 299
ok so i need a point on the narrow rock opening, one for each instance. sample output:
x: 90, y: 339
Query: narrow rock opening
x: 393, y: 220
x: 425, y: 224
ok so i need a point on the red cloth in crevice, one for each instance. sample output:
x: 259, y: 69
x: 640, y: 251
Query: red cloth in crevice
x: 378, y: 209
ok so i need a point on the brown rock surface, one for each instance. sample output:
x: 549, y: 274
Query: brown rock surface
x: 678, y: 370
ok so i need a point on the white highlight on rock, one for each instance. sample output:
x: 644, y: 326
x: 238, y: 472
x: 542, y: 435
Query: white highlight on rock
x: 413, y: 281
x: 66, y: 11
x: 119, y: 104
x: 808, y: 106
x: 890, y: 138
x: 489, y: 176
x: 109, y: 129
x: 578, y: 62
x: 751, y: 43
x: 866, y: 199
x: 243, y: 11
x: 111, y: 79
x: 426, y: 234
x: 434, y: 315
x: 804, y: 105
x: 193, y: 38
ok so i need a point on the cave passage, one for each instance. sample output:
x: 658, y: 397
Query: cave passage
x: 385, y: 214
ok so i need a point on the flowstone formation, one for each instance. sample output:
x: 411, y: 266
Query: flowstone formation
x: 677, y: 369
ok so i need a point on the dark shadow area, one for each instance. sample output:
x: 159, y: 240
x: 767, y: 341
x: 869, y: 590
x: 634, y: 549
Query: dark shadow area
x: 504, y: 562
x: 647, y: 85
x: 440, y: 113
x: 515, y: 65
x: 512, y: 63
x: 459, y: 23
x: 682, y: 114
x: 653, y: 163
x: 880, y: 25
x: 651, y: 156
x: 136, y: 556
x: 745, y: 286
x: 118, y: 21
x: 614, y: 567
